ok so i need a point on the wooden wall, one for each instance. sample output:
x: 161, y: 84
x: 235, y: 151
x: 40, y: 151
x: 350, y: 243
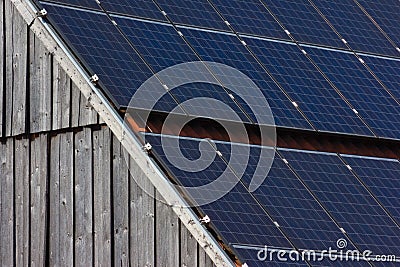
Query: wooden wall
x: 67, y: 195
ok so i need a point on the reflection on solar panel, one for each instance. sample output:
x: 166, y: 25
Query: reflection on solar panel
x: 304, y: 22
x: 79, y: 3
x: 363, y: 219
x: 250, y: 17
x: 386, y: 14
x: 197, y: 13
x: 137, y: 8
x: 355, y: 27
x: 227, y: 49
x: 381, y: 176
x: 301, y: 80
x: 369, y: 98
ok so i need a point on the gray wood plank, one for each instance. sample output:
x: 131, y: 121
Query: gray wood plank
x: 2, y: 69
x: 83, y: 113
x: 22, y: 202
x: 167, y: 235
x: 102, y: 196
x: 120, y: 205
x: 75, y: 105
x: 39, y: 169
x: 66, y: 199
x: 16, y: 66
x: 204, y: 260
x: 83, y: 205
x: 61, y: 98
x: 141, y: 218
x: 6, y: 203
x: 188, y: 248
x: 40, y: 86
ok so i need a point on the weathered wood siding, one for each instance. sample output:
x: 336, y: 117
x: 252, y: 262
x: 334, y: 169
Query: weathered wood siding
x: 67, y: 194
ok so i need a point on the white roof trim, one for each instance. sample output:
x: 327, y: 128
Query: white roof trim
x: 114, y: 121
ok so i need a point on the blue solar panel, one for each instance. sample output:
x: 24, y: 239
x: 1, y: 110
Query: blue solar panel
x: 79, y: 3
x: 386, y: 14
x: 306, y: 85
x: 237, y: 216
x: 97, y: 42
x: 388, y: 71
x: 304, y: 23
x: 197, y: 13
x: 369, y: 98
x: 227, y: 49
x: 347, y: 200
x: 250, y: 17
x: 286, y: 199
x: 137, y: 8
x: 162, y: 47
x: 382, y: 177
x: 355, y: 27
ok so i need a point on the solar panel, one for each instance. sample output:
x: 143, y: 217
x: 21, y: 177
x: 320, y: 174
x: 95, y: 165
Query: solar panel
x: 97, y: 42
x: 355, y: 27
x: 286, y: 198
x: 369, y: 98
x: 307, y: 86
x: 196, y: 13
x: 84, y: 3
x: 382, y: 177
x: 347, y: 200
x: 386, y: 14
x: 237, y: 216
x: 304, y: 22
x: 387, y: 71
x: 138, y: 8
x: 250, y: 17
x: 227, y: 49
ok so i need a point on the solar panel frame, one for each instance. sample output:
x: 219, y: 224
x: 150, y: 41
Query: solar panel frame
x: 139, y: 8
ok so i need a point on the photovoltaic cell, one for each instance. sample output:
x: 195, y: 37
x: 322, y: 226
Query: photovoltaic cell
x: 304, y: 22
x: 84, y: 3
x: 355, y: 27
x: 306, y: 85
x: 227, y: 49
x: 138, y: 8
x: 388, y: 72
x: 386, y: 14
x: 382, y: 177
x: 347, y: 200
x: 162, y: 47
x: 196, y: 13
x: 369, y: 98
x: 98, y: 43
x: 250, y: 17
x: 286, y: 199
x: 237, y: 216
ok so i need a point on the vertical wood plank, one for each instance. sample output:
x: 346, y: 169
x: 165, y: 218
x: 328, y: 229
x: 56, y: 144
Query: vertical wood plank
x: 6, y: 203
x: 54, y: 204
x: 39, y: 169
x: 102, y: 196
x: 75, y: 105
x: 61, y: 98
x: 40, y: 86
x: 66, y: 194
x: 83, y: 113
x: 141, y: 218
x: 2, y: 65
x: 120, y: 205
x: 204, y: 260
x: 167, y: 235
x: 22, y: 202
x: 83, y: 205
x: 188, y: 248
x: 16, y: 68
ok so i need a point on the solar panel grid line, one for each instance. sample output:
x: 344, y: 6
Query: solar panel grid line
x: 343, y: 159
x: 377, y: 25
x: 364, y: 220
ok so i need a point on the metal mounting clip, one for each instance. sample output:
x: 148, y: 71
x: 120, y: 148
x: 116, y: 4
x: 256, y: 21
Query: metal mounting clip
x: 205, y: 220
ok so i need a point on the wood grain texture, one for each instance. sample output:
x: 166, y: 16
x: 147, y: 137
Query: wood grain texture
x: 38, y: 199
x: 61, y: 98
x: 2, y: 66
x: 22, y: 189
x: 188, y: 248
x: 102, y: 196
x: 83, y: 206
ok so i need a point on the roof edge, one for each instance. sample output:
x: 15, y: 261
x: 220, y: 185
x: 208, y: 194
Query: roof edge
x: 110, y: 116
